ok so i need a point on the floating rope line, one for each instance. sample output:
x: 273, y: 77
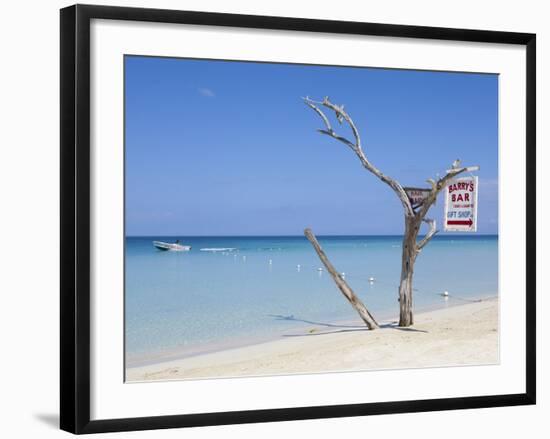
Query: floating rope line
x: 392, y: 285
x: 372, y: 281
x: 460, y: 298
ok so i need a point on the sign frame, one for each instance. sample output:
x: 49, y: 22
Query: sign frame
x: 456, y: 227
x: 418, y: 189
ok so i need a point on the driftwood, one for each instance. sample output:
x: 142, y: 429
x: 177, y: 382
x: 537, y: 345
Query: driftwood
x: 414, y: 217
x: 342, y: 285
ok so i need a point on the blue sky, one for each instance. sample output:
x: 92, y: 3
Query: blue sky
x: 229, y: 148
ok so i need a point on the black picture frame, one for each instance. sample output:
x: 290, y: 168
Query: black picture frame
x: 75, y: 218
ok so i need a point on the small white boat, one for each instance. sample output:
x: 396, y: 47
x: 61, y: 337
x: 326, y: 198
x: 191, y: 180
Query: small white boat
x: 171, y: 246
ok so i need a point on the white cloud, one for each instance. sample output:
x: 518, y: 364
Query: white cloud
x: 206, y: 92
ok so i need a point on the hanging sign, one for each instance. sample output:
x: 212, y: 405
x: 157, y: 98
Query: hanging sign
x: 461, y: 205
x: 417, y: 195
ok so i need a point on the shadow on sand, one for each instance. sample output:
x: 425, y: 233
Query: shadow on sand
x: 338, y: 328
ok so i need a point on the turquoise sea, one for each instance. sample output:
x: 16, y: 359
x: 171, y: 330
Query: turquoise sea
x: 183, y: 303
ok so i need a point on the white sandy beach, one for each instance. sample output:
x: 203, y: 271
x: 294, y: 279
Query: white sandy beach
x: 458, y: 335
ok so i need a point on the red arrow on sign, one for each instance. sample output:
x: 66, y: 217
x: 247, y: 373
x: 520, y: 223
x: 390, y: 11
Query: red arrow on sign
x: 468, y: 222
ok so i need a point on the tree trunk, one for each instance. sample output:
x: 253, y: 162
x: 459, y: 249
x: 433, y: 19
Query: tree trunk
x: 412, y: 226
x: 413, y: 218
x: 342, y: 285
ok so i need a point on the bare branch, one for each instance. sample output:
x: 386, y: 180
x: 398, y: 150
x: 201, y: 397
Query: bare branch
x: 432, y: 182
x: 337, y: 137
x: 329, y: 131
x: 311, y: 105
x: 342, y: 284
x: 342, y: 115
x: 443, y: 181
x: 429, y: 235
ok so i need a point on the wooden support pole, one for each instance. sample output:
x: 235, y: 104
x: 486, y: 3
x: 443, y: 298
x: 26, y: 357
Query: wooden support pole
x: 342, y: 284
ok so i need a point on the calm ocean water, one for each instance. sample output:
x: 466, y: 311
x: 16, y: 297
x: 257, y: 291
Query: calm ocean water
x: 179, y: 303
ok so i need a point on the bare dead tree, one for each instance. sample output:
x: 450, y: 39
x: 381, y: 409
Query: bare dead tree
x: 342, y: 285
x: 414, y: 217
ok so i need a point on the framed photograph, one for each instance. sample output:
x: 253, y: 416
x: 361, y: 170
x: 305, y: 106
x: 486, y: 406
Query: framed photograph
x: 268, y: 218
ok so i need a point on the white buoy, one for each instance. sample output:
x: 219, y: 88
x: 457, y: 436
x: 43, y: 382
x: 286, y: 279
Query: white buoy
x: 445, y: 294
x: 320, y: 269
x: 343, y: 274
x: 371, y: 279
